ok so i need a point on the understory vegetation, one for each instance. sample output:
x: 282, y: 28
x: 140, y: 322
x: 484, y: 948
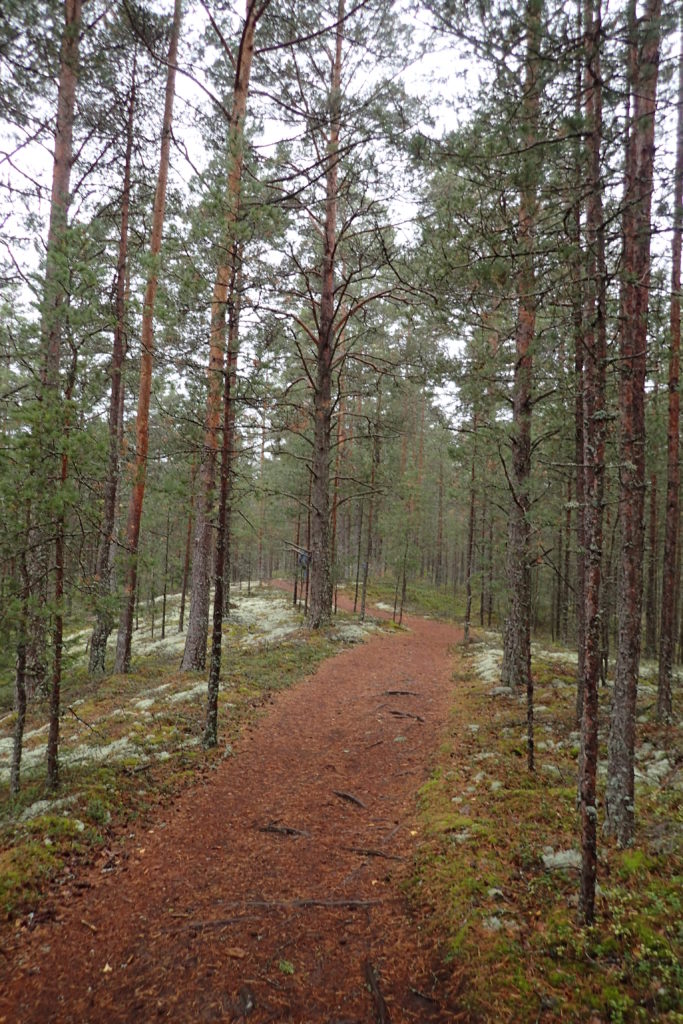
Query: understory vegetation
x: 133, y: 742
x: 498, y: 861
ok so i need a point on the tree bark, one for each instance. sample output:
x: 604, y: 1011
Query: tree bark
x: 188, y: 546
x: 223, y: 538
x: 56, y: 290
x: 516, y: 670
x: 20, y: 679
x: 470, y: 535
x: 651, y: 593
x: 594, y: 365
x: 320, y: 610
x: 619, y: 796
x: 104, y: 620
x: 123, y: 641
x: 194, y: 655
x: 667, y: 635
x: 371, y: 509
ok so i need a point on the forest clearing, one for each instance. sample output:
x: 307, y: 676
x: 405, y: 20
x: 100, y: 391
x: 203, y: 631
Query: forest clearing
x: 341, y: 627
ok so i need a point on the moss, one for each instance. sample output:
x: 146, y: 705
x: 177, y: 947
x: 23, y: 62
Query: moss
x: 632, y: 863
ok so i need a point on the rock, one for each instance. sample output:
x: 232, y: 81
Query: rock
x: 501, y: 691
x: 562, y: 860
x: 495, y: 894
x: 496, y: 786
x: 551, y: 770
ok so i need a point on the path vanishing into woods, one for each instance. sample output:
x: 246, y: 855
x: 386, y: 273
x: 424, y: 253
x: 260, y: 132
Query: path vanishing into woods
x: 271, y: 890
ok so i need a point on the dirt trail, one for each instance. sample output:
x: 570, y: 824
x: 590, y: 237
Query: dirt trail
x: 267, y: 892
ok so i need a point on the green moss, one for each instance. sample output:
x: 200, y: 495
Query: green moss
x: 633, y: 862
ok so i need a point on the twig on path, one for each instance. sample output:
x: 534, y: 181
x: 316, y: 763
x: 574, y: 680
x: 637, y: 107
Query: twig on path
x: 371, y: 853
x: 350, y: 797
x: 222, y: 922
x: 381, y: 1012
x: 406, y: 714
x: 283, y: 830
x: 400, y: 693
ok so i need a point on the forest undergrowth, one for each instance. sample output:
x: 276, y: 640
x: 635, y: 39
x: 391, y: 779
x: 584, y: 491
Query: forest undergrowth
x: 130, y: 744
x: 497, y: 868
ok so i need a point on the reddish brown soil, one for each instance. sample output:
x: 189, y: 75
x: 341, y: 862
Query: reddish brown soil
x: 203, y: 919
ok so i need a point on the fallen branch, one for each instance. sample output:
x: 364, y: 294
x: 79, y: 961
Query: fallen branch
x: 400, y: 693
x: 283, y: 830
x: 371, y: 853
x: 348, y: 796
x: 406, y: 714
x: 381, y: 1012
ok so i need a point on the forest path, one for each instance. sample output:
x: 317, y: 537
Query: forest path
x: 219, y: 913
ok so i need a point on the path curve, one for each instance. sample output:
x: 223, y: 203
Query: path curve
x: 211, y: 918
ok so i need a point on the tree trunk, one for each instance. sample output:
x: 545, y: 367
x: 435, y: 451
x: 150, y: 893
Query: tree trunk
x: 123, y: 641
x: 188, y: 546
x: 651, y: 595
x: 104, y: 619
x: 667, y: 635
x: 595, y: 351
x: 56, y: 291
x: 470, y: 535
x: 578, y: 315
x: 371, y: 509
x: 619, y: 797
x: 517, y: 636
x: 20, y: 679
x: 223, y: 538
x: 320, y: 611
x: 194, y: 656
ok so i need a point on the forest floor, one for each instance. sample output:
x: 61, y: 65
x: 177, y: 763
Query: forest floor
x: 367, y: 846
x: 271, y: 889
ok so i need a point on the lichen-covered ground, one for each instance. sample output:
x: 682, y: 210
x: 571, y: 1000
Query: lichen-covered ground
x: 128, y: 742
x: 334, y: 880
x: 498, y: 864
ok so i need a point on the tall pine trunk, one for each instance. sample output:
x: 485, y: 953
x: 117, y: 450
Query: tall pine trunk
x: 595, y: 352
x: 619, y: 797
x: 320, y: 574
x: 56, y: 291
x: 222, y: 558
x: 194, y: 655
x: 123, y: 640
x: 104, y: 621
x: 517, y: 634
x: 667, y: 635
